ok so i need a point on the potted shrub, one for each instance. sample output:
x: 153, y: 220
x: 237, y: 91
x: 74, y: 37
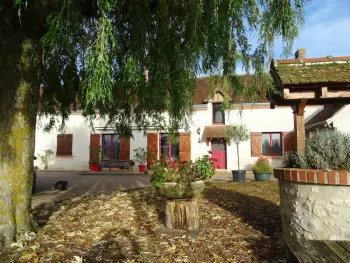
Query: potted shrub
x: 141, y: 158
x: 94, y: 163
x: 179, y: 185
x: 46, y: 158
x: 314, y: 184
x: 237, y: 134
x: 262, y: 169
x: 184, y: 181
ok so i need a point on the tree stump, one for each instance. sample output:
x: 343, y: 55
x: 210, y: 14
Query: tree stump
x: 182, y: 214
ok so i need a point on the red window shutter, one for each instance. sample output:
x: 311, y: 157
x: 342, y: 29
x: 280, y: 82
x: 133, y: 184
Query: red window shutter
x: 60, y: 144
x: 68, y: 144
x: 185, y: 147
x: 256, y: 144
x: 152, y: 148
x: 124, y: 148
x: 94, y: 143
x: 288, y: 141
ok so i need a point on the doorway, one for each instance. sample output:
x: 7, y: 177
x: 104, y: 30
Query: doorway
x: 218, y: 148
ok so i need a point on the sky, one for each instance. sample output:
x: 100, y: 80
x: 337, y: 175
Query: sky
x: 326, y: 30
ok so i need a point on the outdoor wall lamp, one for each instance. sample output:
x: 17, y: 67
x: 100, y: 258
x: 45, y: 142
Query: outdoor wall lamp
x: 199, y: 133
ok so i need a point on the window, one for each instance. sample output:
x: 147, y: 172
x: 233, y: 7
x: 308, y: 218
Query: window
x: 111, y: 147
x: 168, y: 151
x: 271, y: 143
x: 64, y: 144
x: 218, y: 114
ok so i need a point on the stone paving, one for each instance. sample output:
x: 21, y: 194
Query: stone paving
x: 86, y: 183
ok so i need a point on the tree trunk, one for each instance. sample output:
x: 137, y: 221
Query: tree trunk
x: 182, y: 214
x: 238, y: 156
x: 19, y: 96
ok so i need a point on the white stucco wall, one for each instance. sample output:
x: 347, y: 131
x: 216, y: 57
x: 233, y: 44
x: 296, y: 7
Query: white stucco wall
x: 315, y: 212
x: 341, y: 121
x: 257, y: 120
x: 75, y: 125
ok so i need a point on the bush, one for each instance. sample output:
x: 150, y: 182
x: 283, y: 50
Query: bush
x: 186, y: 172
x: 262, y: 165
x: 46, y: 157
x: 140, y: 155
x: 326, y: 150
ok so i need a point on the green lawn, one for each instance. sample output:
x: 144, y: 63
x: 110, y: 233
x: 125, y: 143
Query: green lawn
x: 240, y: 222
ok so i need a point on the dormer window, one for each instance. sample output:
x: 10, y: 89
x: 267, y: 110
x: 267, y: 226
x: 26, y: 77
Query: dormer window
x: 218, y: 114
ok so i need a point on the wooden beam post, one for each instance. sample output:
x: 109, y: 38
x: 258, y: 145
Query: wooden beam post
x: 299, y: 125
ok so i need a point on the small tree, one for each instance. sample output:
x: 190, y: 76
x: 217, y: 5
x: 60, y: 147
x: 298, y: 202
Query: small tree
x: 237, y: 134
x: 140, y: 155
x: 45, y: 159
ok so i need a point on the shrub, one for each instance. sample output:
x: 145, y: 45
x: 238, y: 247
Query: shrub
x: 140, y: 155
x: 262, y: 165
x: 45, y: 159
x: 323, y: 150
x: 185, y: 172
x: 95, y: 155
x: 295, y: 160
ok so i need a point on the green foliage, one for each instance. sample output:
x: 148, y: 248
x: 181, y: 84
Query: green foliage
x: 186, y: 172
x: 95, y: 155
x: 140, y: 155
x: 237, y: 134
x: 323, y: 150
x: 96, y: 55
x: 46, y: 157
x: 295, y: 160
x: 262, y: 165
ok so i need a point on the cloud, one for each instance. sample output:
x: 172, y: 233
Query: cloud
x: 326, y: 28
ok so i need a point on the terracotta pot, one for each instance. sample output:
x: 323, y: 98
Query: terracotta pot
x: 95, y: 167
x: 142, y: 168
x: 180, y: 190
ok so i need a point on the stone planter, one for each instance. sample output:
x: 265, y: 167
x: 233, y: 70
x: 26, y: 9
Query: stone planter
x: 262, y: 176
x: 180, y: 190
x: 315, y: 204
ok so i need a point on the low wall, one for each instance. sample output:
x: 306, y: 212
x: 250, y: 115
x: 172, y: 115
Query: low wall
x: 315, y: 204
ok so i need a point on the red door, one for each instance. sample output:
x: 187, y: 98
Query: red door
x: 218, y: 148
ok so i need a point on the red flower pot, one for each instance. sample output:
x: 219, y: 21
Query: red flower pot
x: 142, y: 168
x: 95, y: 167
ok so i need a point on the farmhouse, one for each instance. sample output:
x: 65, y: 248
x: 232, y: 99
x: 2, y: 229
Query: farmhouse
x: 270, y: 130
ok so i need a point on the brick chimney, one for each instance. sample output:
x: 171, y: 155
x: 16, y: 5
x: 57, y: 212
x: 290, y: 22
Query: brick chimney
x: 300, y: 54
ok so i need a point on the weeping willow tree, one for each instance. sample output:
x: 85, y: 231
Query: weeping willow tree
x: 93, y: 54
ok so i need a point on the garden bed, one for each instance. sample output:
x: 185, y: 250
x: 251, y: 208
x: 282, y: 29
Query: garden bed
x: 238, y: 223
x: 315, y: 204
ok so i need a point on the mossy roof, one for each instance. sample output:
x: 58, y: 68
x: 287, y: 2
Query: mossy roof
x: 314, y: 70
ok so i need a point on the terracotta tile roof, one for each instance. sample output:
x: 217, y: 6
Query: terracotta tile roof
x: 206, y: 88
x: 312, y: 70
x: 216, y: 131
x: 323, y: 114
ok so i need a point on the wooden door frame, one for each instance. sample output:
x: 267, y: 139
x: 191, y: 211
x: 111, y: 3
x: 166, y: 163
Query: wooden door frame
x: 211, y: 146
x: 169, y: 147
x: 111, y: 145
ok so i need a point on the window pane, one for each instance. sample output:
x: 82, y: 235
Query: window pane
x: 106, y: 146
x: 164, y: 147
x: 116, y: 147
x: 219, y: 116
x: 266, y: 144
x: 222, y: 145
x: 214, y: 145
x: 276, y: 143
x: 175, y: 152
